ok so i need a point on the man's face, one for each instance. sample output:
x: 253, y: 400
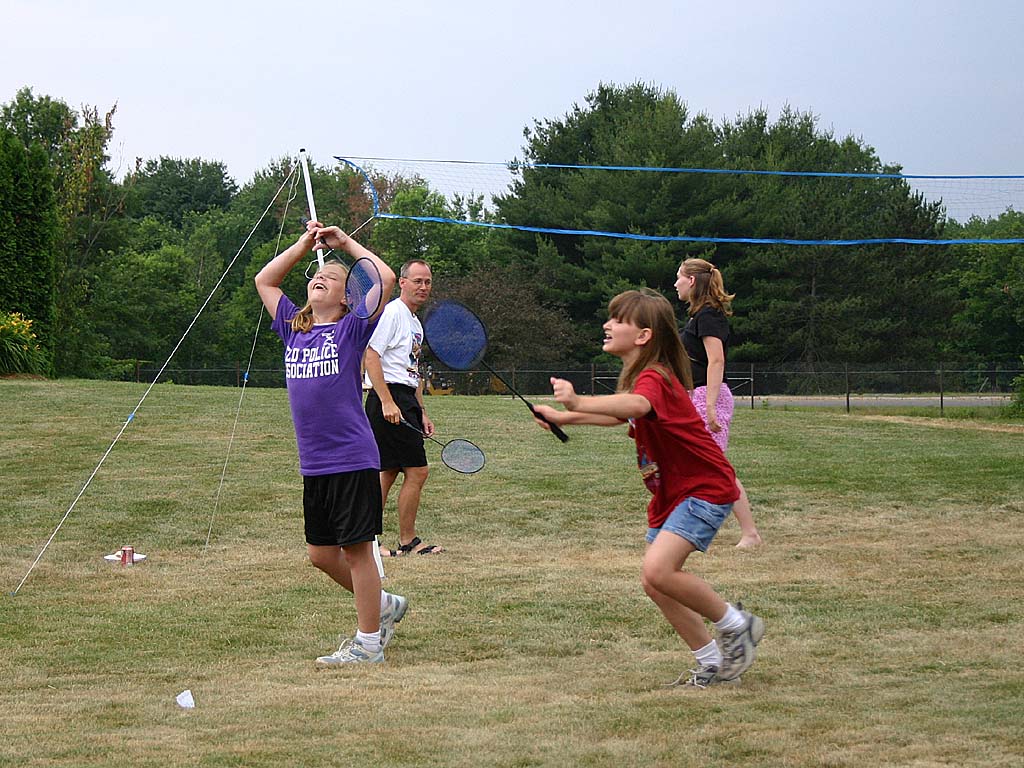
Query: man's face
x: 416, y: 286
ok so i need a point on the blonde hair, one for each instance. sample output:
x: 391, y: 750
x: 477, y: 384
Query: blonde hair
x: 302, y: 321
x: 664, y: 352
x: 708, y: 287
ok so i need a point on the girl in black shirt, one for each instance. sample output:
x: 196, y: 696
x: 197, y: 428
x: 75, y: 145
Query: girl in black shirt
x: 706, y: 339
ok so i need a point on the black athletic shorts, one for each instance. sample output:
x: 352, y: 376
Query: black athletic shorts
x: 343, y: 508
x: 399, y: 446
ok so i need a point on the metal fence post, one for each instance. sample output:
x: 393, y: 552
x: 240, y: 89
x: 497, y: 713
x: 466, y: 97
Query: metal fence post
x: 846, y: 367
x: 751, y: 386
x: 942, y: 391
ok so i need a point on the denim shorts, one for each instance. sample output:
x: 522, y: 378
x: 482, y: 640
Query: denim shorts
x: 695, y: 520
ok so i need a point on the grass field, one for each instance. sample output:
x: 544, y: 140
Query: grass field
x: 891, y: 584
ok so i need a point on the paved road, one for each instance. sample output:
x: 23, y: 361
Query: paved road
x: 873, y: 401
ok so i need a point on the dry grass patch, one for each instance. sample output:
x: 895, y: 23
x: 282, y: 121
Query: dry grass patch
x: 890, y: 584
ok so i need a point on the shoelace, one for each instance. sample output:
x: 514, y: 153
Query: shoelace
x: 343, y: 648
x: 690, y: 677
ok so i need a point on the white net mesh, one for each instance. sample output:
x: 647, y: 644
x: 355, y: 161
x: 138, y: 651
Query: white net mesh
x: 792, y: 198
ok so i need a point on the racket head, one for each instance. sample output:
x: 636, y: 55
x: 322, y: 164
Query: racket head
x: 456, y: 336
x: 363, y: 288
x: 463, y: 456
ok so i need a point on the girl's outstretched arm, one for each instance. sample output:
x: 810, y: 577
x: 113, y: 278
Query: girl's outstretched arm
x: 621, y: 406
x: 561, y: 418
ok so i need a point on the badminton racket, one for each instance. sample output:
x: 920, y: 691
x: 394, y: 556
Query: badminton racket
x: 458, y: 339
x: 363, y: 286
x: 458, y: 454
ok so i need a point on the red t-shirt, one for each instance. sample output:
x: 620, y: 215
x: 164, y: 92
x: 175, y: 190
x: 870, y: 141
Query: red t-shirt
x: 675, y: 452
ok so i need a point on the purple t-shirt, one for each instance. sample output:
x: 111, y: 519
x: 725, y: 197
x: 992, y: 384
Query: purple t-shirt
x: 322, y: 370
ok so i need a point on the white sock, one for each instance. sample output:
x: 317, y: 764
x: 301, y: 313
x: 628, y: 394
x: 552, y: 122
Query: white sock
x: 732, y: 620
x: 369, y: 640
x: 709, y: 655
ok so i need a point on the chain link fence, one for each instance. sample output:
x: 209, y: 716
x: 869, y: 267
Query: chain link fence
x: 751, y: 382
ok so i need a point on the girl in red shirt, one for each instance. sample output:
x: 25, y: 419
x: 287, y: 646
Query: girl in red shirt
x: 693, y: 485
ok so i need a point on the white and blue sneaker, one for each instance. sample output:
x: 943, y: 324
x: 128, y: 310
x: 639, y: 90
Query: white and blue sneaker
x: 351, y: 651
x: 390, y: 616
x: 739, y: 647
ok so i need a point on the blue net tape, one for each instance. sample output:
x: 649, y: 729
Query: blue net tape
x: 697, y: 239
x: 694, y: 239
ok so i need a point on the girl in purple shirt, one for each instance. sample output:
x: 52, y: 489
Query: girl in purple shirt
x: 338, y: 460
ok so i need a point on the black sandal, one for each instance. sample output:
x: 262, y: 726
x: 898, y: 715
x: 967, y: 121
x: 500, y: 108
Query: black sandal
x: 410, y: 548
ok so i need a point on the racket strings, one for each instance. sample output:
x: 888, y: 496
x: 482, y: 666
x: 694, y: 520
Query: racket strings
x: 455, y: 335
x: 463, y: 456
x: 363, y: 288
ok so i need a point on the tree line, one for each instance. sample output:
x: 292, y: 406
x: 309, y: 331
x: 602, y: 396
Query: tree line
x: 110, y: 273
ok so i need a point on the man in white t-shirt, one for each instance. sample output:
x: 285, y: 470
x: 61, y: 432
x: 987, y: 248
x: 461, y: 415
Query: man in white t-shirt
x: 392, y: 371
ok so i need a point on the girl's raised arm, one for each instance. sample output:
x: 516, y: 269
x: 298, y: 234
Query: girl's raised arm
x: 335, y: 238
x: 269, y: 279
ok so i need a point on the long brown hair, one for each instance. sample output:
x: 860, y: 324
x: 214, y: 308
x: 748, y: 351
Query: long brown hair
x: 664, y: 352
x: 708, y: 287
x: 302, y: 321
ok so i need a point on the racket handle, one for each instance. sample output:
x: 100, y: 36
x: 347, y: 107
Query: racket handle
x: 555, y: 429
x: 420, y: 433
x: 558, y: 432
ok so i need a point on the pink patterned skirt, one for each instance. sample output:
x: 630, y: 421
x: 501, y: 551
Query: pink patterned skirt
x: 723, y: 412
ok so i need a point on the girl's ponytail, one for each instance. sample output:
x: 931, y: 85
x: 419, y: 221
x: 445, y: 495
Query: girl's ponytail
x: 708, y: 287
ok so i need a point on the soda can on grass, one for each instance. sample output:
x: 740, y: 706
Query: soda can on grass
x: 127, y: 555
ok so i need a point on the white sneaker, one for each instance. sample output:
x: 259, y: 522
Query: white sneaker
x: 391, y: 615
x: 739, y: 647
x: 351, y: 651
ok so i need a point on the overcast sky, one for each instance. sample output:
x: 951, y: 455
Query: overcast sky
x: 936, y: 87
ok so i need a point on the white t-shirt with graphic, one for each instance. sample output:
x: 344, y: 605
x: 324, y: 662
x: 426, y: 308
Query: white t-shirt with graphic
x: 398, y: 340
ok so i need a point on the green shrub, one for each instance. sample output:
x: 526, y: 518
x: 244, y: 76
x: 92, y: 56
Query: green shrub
x: 19, y: 350
x: 1016, y: 407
